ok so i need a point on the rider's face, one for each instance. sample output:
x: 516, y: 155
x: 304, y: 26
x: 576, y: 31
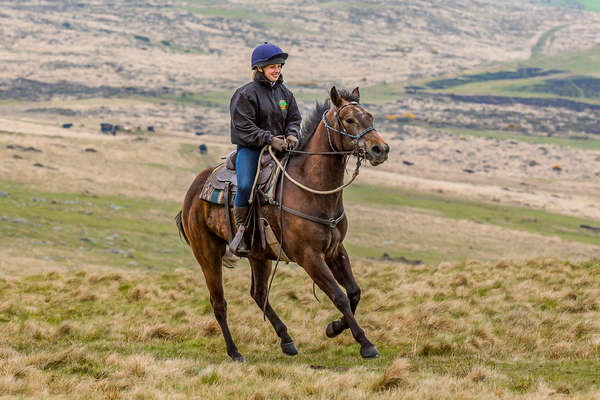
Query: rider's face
x: 272, y: 71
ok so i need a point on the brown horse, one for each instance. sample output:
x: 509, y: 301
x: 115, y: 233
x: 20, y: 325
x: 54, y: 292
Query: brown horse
x: 346, y: 127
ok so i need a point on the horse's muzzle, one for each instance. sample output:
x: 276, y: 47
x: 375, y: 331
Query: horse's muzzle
x: 378, y: 153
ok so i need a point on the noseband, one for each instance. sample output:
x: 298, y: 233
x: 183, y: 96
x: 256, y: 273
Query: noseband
x: 355, y: 138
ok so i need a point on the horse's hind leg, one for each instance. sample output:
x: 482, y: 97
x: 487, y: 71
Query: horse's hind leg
x: 261, y: 270
x: 209, y: 251
x: 342, y: 271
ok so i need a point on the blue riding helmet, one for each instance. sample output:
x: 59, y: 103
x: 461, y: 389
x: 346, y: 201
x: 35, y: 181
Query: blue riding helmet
x: 267, y: 53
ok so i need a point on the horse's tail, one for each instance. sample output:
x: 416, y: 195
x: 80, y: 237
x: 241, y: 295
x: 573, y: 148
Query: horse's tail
x: 179, y: 223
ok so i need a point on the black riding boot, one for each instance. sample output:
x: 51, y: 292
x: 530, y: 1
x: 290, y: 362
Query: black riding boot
x: 238, y: 244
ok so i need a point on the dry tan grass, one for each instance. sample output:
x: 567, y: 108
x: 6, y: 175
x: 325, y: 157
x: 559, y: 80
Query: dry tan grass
x: 455, y: 330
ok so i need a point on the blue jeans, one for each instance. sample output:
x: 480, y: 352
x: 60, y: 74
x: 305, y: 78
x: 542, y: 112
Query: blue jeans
x: 245, y: 170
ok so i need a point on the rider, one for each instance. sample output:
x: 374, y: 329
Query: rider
x: 263, y: 112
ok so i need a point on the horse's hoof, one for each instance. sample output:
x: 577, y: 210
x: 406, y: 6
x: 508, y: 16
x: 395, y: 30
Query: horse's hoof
x: 238, y: 358
x: 369, y: 352
x: 329, y: 331
x: 289, y: 348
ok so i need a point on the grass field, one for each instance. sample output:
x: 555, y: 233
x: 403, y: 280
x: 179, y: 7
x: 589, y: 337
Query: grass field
x: 129, y: 231
x: 114, y: 306
x: 101, y: 299
x: 592, y: 145
x: 591, y: 5
x: 516, y: 218
x: 536, y: 50
x: 258, y: 19
x: 578, y: 63
x: 467, y: 330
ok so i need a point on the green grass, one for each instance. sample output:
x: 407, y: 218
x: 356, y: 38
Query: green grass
x: 136, y: 232
x: 115, y: 230
x: 582, y: 63
x: 593, y: 145
x: 381, y: 93
x: 566, y: 375
x: 513, y: 88
x: 372, y: 250
x: 590, y: 5
x: 536, y: 50
x: 518, y: 218
x: 209, y: 98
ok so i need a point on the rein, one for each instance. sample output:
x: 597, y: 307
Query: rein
x: 308, y: 189
x: 358, y: 152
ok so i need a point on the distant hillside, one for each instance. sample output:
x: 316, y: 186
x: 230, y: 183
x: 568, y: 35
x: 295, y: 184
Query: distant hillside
x: 173, y: 65
x: 203, y: 44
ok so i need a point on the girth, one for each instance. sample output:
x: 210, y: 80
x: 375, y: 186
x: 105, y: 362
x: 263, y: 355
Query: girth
x: 331, y: 222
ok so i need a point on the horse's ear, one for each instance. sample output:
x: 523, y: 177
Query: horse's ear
x: 335, y: 97
x: 356, y: 94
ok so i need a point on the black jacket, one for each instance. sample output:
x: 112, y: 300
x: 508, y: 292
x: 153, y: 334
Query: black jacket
x: 260, y: 111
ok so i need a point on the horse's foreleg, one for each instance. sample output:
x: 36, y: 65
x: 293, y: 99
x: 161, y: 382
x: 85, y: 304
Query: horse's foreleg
x: 342, y: 271
x: 319, y: 271
x: 261, y: 270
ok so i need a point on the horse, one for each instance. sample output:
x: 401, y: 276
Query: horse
x: 312, y: 224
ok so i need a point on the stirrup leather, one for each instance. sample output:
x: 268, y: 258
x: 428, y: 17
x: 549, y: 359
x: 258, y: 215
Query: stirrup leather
x: 237, y: 245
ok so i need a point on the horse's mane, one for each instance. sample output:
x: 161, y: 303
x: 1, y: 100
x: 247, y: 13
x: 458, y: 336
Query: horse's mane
x: 309, y: 125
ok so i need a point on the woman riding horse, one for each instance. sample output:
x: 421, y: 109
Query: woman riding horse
x: 310, y: 219
x: 263, y: 112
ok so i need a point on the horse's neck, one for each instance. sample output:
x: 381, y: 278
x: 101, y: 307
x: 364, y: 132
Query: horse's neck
x: 321, y: 172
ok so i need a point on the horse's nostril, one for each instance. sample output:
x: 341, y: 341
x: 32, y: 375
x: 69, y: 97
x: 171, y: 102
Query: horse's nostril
x: 376, y: 149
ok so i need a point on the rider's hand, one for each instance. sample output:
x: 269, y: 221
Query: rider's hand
x: 279, y: 143
x: 292, y: 142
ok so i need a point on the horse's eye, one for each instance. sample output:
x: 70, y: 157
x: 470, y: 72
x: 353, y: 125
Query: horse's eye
x: 350, y: 120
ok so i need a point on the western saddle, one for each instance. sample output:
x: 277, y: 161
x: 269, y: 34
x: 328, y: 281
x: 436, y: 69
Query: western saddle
x: 221, y: 187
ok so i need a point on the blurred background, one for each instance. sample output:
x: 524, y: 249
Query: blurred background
x: 487, y: 103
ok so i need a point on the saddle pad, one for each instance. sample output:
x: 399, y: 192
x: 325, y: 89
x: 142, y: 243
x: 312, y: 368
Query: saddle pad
x: 214, y: 187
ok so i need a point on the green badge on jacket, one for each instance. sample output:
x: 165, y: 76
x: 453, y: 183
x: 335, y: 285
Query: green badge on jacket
x: 282, y: 104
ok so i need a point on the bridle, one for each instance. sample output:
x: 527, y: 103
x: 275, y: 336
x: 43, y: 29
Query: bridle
x: 357, y: 151
x: 355, y: 138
